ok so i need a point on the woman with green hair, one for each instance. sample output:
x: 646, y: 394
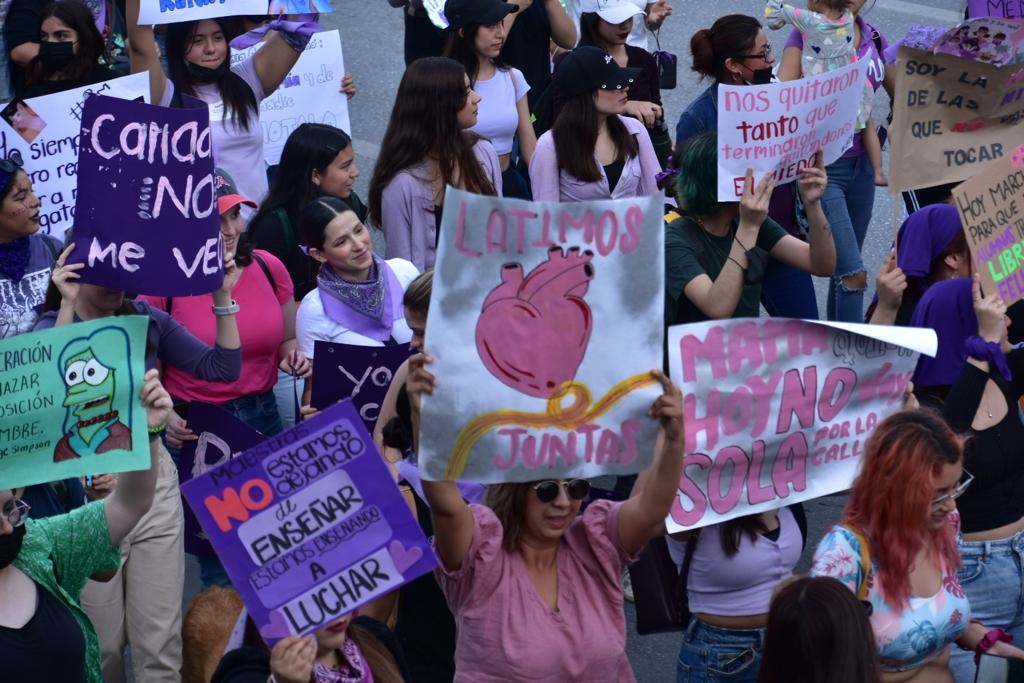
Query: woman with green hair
x: 715, y: 254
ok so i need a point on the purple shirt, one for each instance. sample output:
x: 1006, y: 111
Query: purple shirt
x: 407, y: 209
x: 553, y: 184
x: 172, y: 344
x: 507, y: 632
x: 866, y: 50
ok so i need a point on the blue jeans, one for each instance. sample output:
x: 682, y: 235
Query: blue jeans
x: 788, y: 292
x: 848, y: 202
x: 991, y: 575
x: 710, y: 654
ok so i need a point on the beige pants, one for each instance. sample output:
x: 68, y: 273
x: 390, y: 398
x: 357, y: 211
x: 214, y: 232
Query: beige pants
x: 141, y: 605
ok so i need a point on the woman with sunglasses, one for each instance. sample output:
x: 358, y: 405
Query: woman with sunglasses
x: 896, y: 549
x: 534, y: 587
x: 974, y: 381
x: 44, y: 633
x: 593, y: 151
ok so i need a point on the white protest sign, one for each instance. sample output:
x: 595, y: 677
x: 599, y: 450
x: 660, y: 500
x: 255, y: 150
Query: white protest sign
x: 546, y: 320
x: 49, y: 147
x: 310, y: 93
x: 176, y: 11
x: 778, y: 411
x: 779, y: 127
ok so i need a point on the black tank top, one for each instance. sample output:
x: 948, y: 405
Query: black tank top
x: 50, y: 647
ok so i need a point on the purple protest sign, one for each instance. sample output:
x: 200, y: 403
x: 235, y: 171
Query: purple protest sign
x: 145, y: 215
x: 1006, y: 9
x: 222, y: 436
x: 309, y: 524
x: 361, y: 374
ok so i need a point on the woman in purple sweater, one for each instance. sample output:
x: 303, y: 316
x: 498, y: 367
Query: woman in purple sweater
x: 426, y: 147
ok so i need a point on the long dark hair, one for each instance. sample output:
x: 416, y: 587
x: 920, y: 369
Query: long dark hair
x: 575, y: 134
x: 729, y: 37
x: 310, y: 147
x: 733, y: 531
x: 818, y: 632
x: 316, y: 216
x: 90, y: 43
x: 240, y: 103
x: 424, y: 122
x: 461, y: 47
x: 588, y: 30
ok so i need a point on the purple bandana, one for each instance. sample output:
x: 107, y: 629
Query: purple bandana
x: 369, y: 308
x: 354, y: 668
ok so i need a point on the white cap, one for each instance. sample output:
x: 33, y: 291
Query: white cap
x: 612, y: 11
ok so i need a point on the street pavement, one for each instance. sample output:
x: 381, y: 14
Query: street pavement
x: 371, y: 32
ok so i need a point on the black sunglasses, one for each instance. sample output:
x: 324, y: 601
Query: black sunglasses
x: 547, y: 490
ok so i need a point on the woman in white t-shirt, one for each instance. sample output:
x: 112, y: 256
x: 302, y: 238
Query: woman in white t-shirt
x: 477, y: 37
x: 358, y: 298
x: 199, y: 65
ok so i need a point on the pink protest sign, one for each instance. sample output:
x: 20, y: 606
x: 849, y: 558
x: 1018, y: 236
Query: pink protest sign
x: 778, y: 411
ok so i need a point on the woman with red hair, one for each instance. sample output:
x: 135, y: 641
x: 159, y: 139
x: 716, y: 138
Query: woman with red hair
x: 897, y: 543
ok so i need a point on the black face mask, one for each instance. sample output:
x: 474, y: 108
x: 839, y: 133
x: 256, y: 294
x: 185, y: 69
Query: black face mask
x: 56, y: 56
x: 761, y: 76
x: 204, y: 75
x: 10, y: 544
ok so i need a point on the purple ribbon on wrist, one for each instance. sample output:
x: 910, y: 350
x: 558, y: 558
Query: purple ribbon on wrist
x: 979, y: 349
x: 296, y: 33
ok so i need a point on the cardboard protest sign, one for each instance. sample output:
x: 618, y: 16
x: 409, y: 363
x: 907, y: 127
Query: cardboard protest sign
x: 779, y: 127
x: 1008, y: 9
x: 991, y: 207
x: 310, y: 93
x: 69, y: 401
x: 545, y: 321
x: 309, y: 524
x: 44, y: 131
x: 951, y: 117
x: 777, y: 411
x: 361, y: 374
x: 176, y: 11
x: 146, y: 216
x: 222, y: 436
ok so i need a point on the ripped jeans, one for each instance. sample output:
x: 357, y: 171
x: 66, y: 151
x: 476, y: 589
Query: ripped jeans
x: 848, y: 202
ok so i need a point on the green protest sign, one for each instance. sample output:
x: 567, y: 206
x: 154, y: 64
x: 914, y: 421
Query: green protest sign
x: 69, y: 401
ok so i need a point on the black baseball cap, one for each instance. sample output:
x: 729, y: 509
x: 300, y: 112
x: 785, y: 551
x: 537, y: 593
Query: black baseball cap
x: 588, y: 68
x: 461, y: 13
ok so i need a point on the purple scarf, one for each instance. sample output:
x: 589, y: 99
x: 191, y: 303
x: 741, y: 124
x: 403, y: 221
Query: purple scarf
x: 924, y: 236
x: 354, y: 668
x: 948, y: 309
x: 369, y: 308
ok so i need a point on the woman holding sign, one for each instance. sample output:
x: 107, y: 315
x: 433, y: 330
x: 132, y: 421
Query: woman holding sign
x: 594, y: 151
x: 44, y: 633
x: 535, y: 588
x: 199, y: 65
x: 975, y: 380
x: 716, y: 254
x: 896, y: 549
x: 142, y: 603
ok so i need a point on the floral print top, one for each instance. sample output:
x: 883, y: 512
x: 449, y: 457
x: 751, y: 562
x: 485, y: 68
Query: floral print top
x: 909, y: 638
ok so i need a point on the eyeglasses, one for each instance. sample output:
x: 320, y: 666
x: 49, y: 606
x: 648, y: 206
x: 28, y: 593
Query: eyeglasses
x: 938, y: 501
x: 18, y: 513
x: 763, y: 56
x: 548, y: 490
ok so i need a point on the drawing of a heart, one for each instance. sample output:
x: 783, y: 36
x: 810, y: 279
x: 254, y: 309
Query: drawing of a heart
x: 815, y: 48
x: 533, y: 331
x: 276, y: 628
x: 404, y: 557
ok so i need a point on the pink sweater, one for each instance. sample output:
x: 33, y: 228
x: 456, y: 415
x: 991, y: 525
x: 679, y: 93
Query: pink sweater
x: 506, y: 632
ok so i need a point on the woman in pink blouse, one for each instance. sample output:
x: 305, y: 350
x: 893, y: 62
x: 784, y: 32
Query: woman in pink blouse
x: 533, y: 585
x: 593, y: 151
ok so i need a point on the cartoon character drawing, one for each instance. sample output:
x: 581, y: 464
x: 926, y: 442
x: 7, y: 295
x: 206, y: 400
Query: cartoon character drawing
x: 533, y: 331
x: 94, y: 423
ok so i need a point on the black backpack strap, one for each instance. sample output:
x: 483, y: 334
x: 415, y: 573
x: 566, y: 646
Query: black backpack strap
x: 266, y: 270
x: 289, y: 232
x: 682, y: 597
x: 800, y: 515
